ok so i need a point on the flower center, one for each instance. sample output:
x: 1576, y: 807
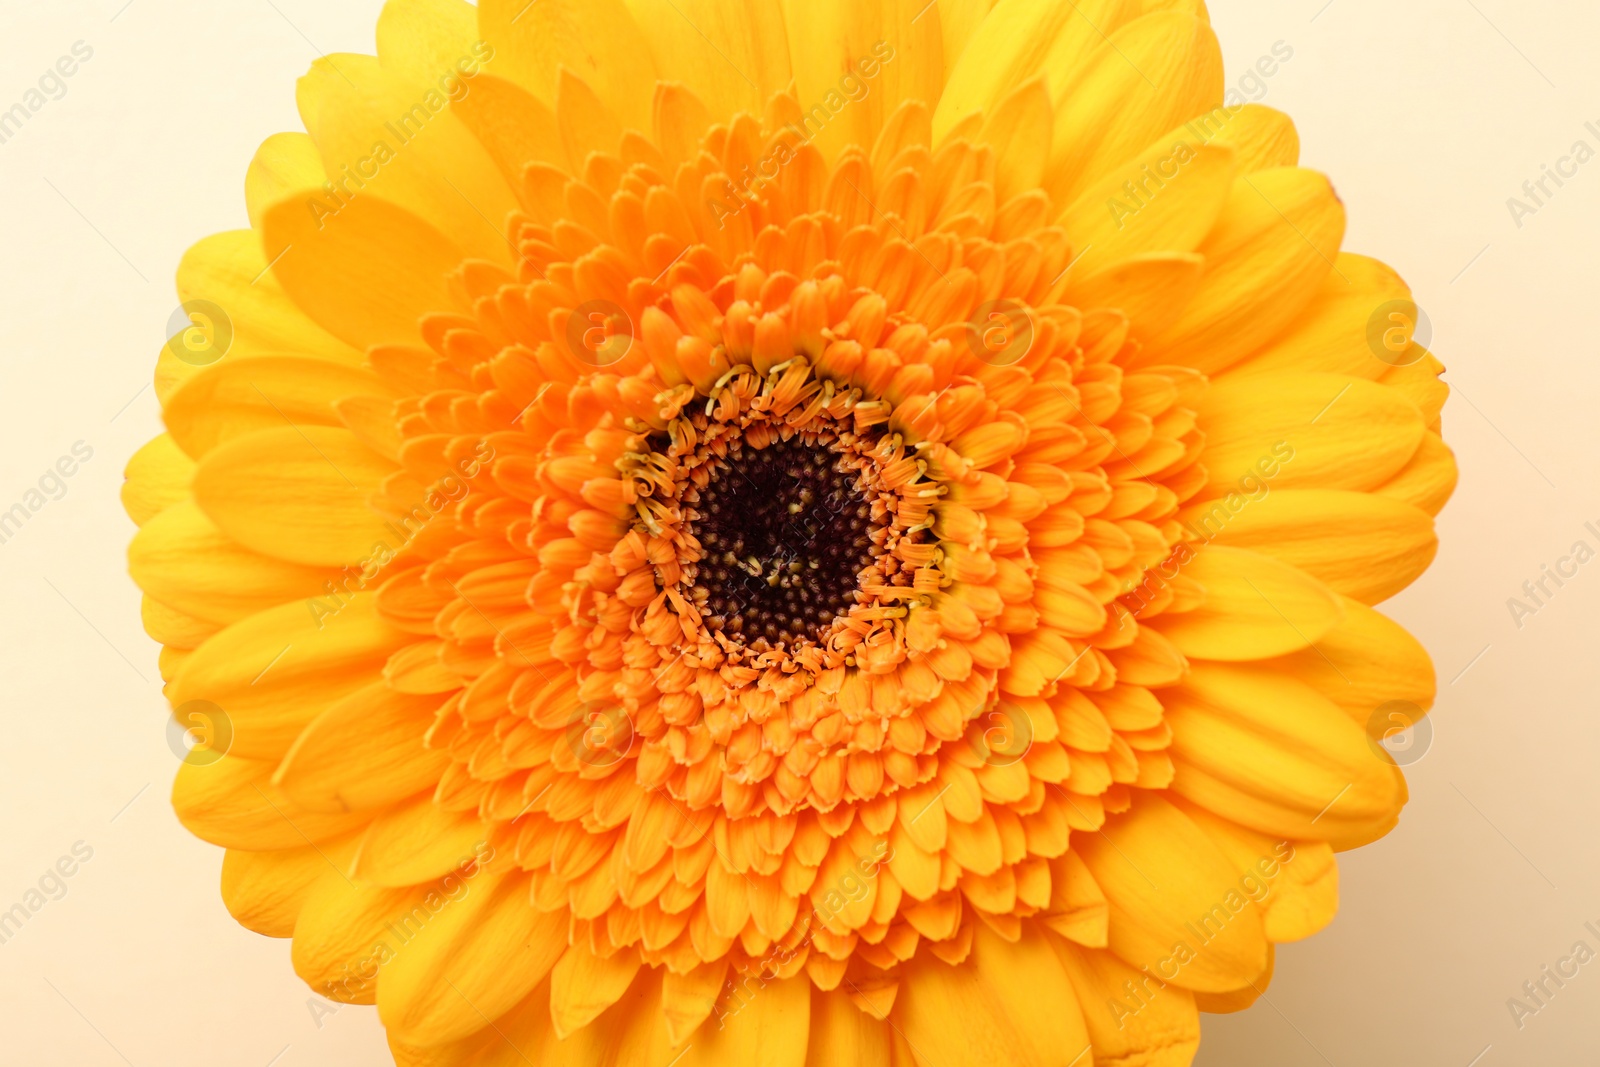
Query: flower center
x: 782, y: 526
x: 786, y: 532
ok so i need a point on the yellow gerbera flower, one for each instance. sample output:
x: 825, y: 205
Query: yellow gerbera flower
x: 787, y: 532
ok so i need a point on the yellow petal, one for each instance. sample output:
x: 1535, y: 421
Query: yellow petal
x: 990, y: 1006
x: 364, y: 752
x: 347, y: 932
x: 959, y: 20
x: 833, y: 44
x: 582, y: 985
x: 1015, y: 42
x: 419, y: 841
x: 379, y: 137
x: 842, y: 1035
x: 1236, y: 1000
x: 1263, y: 137
x: 172, y: 627
x: 417, y: 669
x: 1308, y: 898
x: 264, y: 891
x: 1270, y: 753
x: 841, y: 875
x: 232, y: 802
x: 418, y: 40
x: 1078, y: 910
x: 1151, y: 75
x: 596, y: 39
x: 512, y: 125
x: 476, y: 958
x: 1429, y: 480
x: 732, y: 56
x: 275, y: 671
x: 764, y: 1022
x: 687, y: 999
x: 1038, y: 659
x: 1192, y: 8
x: 366, y: 273
x: 1152, y: 289
x: 1364, y: 546
x: 1293, y: 430
x: 225, y: 279
x: 513, y: 1041
x: 915, y: 868
x: 767, y: 1026
x: 181, y: 558
x: 169, y: 661
x: 372, y: 419
x: 1336, y: 332
x: 1363, y: 663
x: 1155, y: 1025
x: 1255, y: 607
x: 158, y: 476
x: 228, y: 269
x: 681, y: 120
x: 297, y: 493
x: 1266, y: 259
x: 585, y: 123
x: 248, y: 393
x: 1295, y: 883
x: 1019, y: 130
x: 1165, y: 199
x: 1420, y: 381
x: 1175, y: 904
x: 285, y: 165
x: 727, y: 899
x: 481, y: 1049
x: 632, y: 1030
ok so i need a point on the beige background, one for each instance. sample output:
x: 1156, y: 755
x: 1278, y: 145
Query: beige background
x: 1428, y: 114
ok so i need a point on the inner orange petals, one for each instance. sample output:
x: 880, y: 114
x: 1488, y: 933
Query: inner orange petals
x: 824, y: 773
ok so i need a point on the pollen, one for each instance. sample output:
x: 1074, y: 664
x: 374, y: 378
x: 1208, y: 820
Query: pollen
x: 787, y: 533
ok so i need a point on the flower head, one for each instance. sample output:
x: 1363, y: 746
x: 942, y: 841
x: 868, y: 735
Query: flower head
x: 829, y: 531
